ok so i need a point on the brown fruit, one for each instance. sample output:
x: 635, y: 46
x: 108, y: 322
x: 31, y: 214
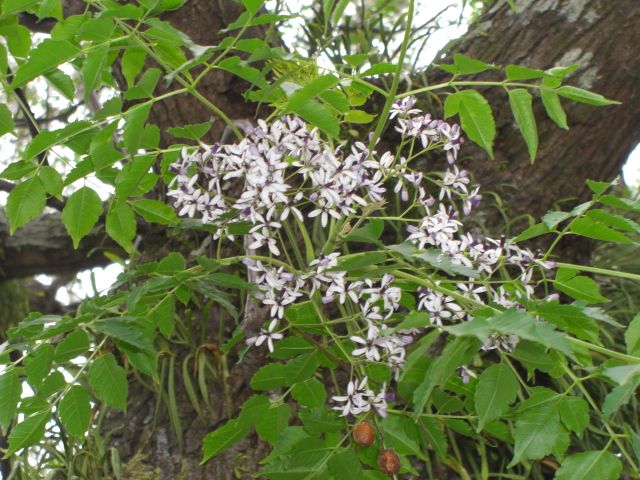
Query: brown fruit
x: 389, y: 462
x: 364, y: 434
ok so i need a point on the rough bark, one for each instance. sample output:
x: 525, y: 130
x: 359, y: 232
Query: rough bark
x: 601, y: 36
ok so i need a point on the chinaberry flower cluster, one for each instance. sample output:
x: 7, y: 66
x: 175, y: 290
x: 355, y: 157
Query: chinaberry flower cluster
x: 283, y: 175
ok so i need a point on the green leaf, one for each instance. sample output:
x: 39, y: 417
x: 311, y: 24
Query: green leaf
x: 476, y: 117
x: 632, y: 336
x: 301, y: 368
x: 92, y: 68
x: 109, y: 381
x: 310, y: 91
x: 590, y: 465
x: 127, y: 331
x: 464, y: 65
x: 74, y: 344
x: 553, y: 107
x: 319, y: 116
x: 51, y: 180
x: 358, y: 116
x: 10, y: 7
x: 589, y: 228
x: 6, y: 120
x: 274, y: 421
x: 536, y: 432
x: 310, y: 393
x: 495, y: 391
x: 414, y: 319
x: 191, y: 132
x: 401, y: 434
x: 532, y: 232
x: 10, y: 391
x: 162, y: 315
x: 521, y: 103
x: 370, y: 233
x: 27, y: 432
x: 81, y: 213
x: 121, y: 225
x: 155, y: 211
x: 620, y: 396
x: 252, y: 6
x: 50, y: 9
x: 269, y: 377
x: 19, y: 169
x: 38, y: 364
x: 61, y: 82
x: 135, y: 119
x: 26, y: 201
x: 456, y: 353
x: 253, y: 410
x: 443, y: 262
x: 516, y: 72
x: 223, y: 438
x: 75, y: 411
x: 583, y: 96
x: 345, y: 464
x: 46, y: 56
x: 574, y: 412
x: 132, y: 63
x: 581, y: 288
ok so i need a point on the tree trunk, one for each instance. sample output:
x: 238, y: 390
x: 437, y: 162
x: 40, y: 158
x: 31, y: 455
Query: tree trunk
x: 599, y: 35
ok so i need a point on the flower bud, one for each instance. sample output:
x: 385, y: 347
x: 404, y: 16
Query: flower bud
x: 389, y: 462
x: 364, y: 434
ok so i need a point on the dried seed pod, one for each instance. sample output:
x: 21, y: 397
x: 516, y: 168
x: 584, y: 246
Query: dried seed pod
x: 389, y: 462
x: 364, y: 434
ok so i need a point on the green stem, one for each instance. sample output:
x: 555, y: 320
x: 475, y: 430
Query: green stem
x: 599, y: 271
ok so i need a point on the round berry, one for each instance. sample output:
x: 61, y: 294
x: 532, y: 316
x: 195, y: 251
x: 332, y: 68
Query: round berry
x: 364, y: 434
x: 389, y: 462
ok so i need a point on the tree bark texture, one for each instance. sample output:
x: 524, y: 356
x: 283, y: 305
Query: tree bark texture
x: 600, y: 35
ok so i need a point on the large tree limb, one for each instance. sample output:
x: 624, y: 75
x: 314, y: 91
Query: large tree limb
x: 44, y: 246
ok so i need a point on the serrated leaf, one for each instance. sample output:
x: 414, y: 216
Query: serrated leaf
x: 310, y: 393
x: 75, y: 411
x: 74, y: 344
x: 517, y: 72
x: 601, y: 464
x: 132, y: 63
x: 51, y: 180
x: 109, y: 381
x: 121, y: 225
x: 495, y: 391
x: 345, y: 464
x: 536, y: 432
x: 310, y: 91
x: 223, y: 438
x: 521, y: 103
x: 92, y: 68
x: 155, y: 211
x: 632, y: 336
x: 583, y: 96
x: 127, y: 331
x: 25, y: 202
x: 553, y: 107
x: 27, y: 432
x: 191, y: 132
x: 476, y: 117
x: 589, y: 228
x: 38, y: 364
x: 574, y: 412
x: 581, y: 288
x: 10, y: 391
x: 61, y: 82
x: 81, y: 213
x: 274, y: 421
x: 6, y: 120
x: 269, y: 377
x: 46, y: 56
